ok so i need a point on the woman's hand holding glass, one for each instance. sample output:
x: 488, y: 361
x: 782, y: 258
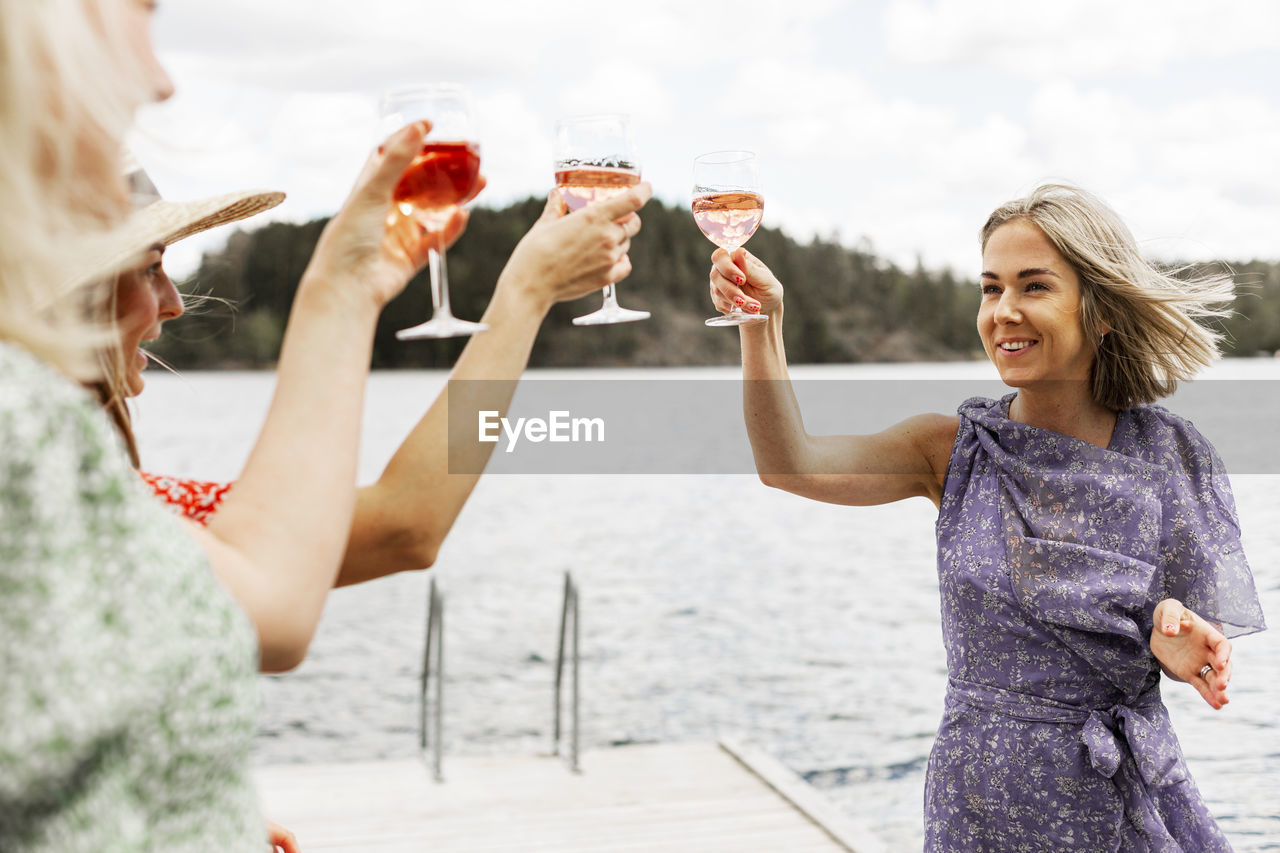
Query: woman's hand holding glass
x: 728, y: 208
x: 565, y: 257
x: 367, y: 245
x: 595, y: 159
x: 739, y: 280
x: 1185, y: 644
x: 443, y: 176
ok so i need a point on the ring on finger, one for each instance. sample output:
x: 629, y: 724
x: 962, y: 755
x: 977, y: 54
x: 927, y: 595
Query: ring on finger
x: 1205, y: 670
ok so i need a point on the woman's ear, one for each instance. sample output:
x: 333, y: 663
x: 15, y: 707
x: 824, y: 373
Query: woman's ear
x: 1101, y: 329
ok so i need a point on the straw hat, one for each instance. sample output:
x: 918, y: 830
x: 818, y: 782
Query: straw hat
x: 155, y: 220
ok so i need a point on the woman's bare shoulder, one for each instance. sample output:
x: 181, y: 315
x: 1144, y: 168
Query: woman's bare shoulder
x: 934, y: 435
x: 931, y: 429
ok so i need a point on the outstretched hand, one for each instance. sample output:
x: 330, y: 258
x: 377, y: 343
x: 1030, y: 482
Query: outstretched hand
x: 741, y: 279
x: 1185, y: 643
x: 369, y: 243
x: 568, y: 255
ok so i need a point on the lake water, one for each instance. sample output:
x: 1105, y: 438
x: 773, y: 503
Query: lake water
x: 711, y: 605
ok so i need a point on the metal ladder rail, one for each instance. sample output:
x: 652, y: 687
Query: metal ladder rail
x: 433, y: 663
x: 431, y: 716
x: 568, y: 613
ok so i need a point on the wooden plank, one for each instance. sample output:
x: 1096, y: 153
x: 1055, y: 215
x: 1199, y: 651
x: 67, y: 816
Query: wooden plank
x: 665, y: 797
x: 848, y: 832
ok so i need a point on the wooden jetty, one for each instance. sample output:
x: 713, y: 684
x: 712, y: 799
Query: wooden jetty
x: 665, y: 797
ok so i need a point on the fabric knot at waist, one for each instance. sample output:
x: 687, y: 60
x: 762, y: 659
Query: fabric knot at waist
x: 1131, y: 744
x: 1139, y: 731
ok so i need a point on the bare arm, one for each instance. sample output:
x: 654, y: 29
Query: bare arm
x: 402, y: 520
x: 277, y: 539
x: 906, y: 460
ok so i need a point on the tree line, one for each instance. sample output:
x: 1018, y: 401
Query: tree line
x: 844, y: 304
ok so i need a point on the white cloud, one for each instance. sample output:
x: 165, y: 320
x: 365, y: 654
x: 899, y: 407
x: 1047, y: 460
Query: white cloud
x: 615, y: 84
x: 1197, y: 179
x: 1079, y: 39
x: 336, y: 44
x: 914, y: 178
x: 516, y: 156
x: 906, y: 127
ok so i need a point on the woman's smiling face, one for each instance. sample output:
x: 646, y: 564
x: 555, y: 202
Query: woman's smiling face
x: 1030, y: 319
x: 144, y: 299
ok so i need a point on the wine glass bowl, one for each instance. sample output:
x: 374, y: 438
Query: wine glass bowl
x: 443, y: 176
x: 595, y: 160
x: 439, y: 179
x: 728, y: 208
x: 581, y: 183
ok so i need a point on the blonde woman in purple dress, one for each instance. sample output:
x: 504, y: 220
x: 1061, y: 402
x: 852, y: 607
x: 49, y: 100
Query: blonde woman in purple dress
x: 1087, y: 538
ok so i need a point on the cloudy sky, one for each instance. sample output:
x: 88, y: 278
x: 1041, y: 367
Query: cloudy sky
x: 901, y: 122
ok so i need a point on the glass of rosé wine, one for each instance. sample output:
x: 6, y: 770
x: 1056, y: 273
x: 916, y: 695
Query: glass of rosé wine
x: 728, y: 207
x: 438, y: 180
x: 595, y: 159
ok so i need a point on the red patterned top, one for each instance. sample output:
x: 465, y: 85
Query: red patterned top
x: 195, y: 499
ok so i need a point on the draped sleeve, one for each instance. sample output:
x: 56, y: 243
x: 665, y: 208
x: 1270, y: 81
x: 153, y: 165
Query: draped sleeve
x: 1095, y: 537
x: 1081, y: 526
x: 1202, y: 561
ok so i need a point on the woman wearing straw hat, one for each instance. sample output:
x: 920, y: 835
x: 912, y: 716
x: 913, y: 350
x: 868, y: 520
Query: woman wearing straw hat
x: 131, y: 639
x: 143, y: 296
x: 402, y: 519
x: 141, y: 300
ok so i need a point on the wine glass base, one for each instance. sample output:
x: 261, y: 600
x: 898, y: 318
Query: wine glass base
x: 737, y: 318
x: 440, y: 327
x: 610, y: 314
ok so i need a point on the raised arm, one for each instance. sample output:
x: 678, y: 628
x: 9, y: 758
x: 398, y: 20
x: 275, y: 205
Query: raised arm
x: 402, y: 519
x: 906, y: 460
x: 278, y: 538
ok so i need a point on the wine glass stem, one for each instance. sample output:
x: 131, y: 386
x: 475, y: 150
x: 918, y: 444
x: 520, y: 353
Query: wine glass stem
x: 439, y: 284
x: 610, y: 300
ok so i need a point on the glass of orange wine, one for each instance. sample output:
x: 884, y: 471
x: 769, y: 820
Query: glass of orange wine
x: 442, y: 177
x: 728, y: 207
x: 595, y: 159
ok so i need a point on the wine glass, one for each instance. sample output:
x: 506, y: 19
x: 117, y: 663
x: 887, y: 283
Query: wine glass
x: 728, y: 207
x: 441, y: 177
x: 595, y: 159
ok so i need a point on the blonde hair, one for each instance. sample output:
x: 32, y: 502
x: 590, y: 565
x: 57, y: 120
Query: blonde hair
x: 68, y: 89
x: 113, y: 393
x: 1145, y: 323
x: 112, y: 389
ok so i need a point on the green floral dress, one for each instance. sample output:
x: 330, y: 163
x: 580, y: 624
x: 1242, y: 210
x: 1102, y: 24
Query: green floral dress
x: 128, y: 697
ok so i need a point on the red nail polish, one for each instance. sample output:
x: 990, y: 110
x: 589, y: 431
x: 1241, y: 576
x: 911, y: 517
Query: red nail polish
x: 753, y: 309
x: 739, y: 279
x: 737, y: 300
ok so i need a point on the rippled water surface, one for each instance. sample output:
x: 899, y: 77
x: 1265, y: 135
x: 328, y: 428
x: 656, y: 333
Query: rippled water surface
x: 710, y: 606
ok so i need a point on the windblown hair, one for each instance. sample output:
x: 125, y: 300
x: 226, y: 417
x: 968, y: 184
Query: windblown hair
x: 112, y: 392
x: 1145, y: 324
x: 68, y: 89
x: 112, y: 388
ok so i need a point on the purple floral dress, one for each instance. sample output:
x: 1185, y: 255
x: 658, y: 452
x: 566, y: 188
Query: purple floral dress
x: 1052, y: 553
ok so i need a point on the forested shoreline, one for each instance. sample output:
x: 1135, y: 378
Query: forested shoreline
x: 844, y: 304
